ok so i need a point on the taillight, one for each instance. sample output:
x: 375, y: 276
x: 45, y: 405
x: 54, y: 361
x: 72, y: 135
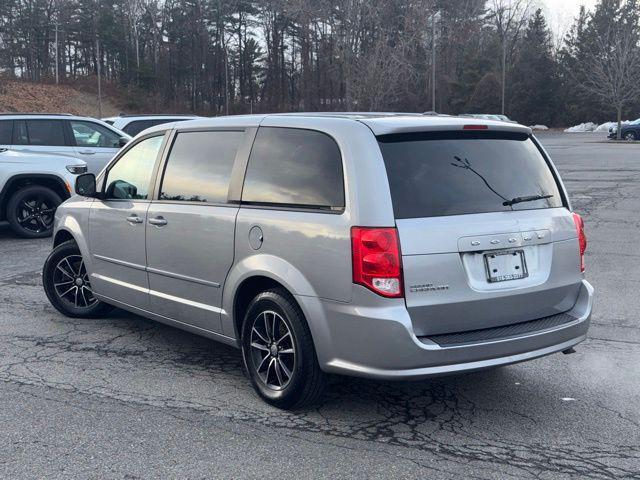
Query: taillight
x: 582, y: 238
x: 377, y: 263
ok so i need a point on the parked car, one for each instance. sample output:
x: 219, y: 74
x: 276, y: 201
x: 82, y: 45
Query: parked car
x: 389, y: 247
x: 500, y: 118
x: 629, y: 131
x: 89, y: 139
x: 32, y: 185
x: 134, y: 124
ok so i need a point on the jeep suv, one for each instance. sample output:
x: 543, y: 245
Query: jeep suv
x: 32, y: 186
x: 89, y: 139
x: 382, y: 246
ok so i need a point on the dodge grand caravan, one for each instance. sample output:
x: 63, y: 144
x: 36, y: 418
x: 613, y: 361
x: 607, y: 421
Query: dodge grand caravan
x: 382, y: 246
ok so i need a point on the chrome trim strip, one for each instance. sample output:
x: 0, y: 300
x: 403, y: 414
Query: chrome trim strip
x: 120, y: 262
x: 184, y: 301
x: 165, y: 296
x: 120, y: 283
x: 182, y: 277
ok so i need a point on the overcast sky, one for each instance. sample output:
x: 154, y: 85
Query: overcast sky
x: 560, y: 13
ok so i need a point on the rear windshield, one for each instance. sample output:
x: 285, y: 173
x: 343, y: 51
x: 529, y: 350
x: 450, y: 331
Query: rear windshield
x: 455, y: 173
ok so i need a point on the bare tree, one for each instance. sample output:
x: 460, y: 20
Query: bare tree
x: 611, y: 69
x: 509, y: 18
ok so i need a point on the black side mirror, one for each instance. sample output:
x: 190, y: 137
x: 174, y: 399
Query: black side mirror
x: 86, y: 185
x: 123, y: 141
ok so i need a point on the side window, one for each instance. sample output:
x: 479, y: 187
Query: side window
x: 294, y: 167
x: 20, y: 136
x: 130, y: 177
x: 48, y: 133
x: 199, y: 166
x: 6, y: 129
x: 88, y: 134
x: 135, y: 127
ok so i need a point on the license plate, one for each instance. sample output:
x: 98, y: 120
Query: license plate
x: 504, y: 266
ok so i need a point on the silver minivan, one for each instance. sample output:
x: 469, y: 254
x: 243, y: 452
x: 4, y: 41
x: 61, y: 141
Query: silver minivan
x: 375, y: 245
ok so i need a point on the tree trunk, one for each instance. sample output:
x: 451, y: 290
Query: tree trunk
x: 619, y: 132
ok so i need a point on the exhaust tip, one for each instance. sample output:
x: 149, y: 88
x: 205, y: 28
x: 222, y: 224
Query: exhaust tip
x: 569, y: 350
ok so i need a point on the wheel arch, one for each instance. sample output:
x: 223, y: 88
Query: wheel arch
x: 67, y: 228
x: 253, y: 275
x: 21, y: 180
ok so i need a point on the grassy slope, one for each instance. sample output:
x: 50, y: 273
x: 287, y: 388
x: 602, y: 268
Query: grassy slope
x: 20, y: 96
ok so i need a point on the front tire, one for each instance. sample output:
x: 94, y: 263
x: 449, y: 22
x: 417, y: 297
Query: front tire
x: 67, y: 284
x: 279, y: 353
x: 31, y: 210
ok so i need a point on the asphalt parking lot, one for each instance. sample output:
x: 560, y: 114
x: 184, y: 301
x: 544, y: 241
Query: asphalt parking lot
x: 125, y: 397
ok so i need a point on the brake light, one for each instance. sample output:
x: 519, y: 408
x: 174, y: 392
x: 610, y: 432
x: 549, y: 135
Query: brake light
x: 582, y: 238
x: 377, y: 263
x: 475, y: 127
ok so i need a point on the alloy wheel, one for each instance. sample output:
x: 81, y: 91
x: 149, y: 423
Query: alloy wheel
x: 36, y: 214
x: 71, y: 282
x: 273, y: 353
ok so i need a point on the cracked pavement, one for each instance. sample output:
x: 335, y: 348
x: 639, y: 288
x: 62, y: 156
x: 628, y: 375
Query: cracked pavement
x: 124, y: 397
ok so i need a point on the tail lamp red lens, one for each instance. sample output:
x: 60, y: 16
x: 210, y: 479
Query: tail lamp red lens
x: 377, y: 263
x: 582, y: 238
x: 475, y: 127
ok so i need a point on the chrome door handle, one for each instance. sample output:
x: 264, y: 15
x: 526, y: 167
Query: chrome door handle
x: 87, y: 152
x: 158, y: 221
x: 134, y: 219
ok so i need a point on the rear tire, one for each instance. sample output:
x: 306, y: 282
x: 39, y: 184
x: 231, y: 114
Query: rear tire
x: 630, y: 136
x: 67, y: 284
x: 278, y: 352
x: 30, y: 211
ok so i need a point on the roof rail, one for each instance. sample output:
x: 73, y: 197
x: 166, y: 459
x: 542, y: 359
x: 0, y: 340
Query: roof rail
x: 35, y: 113
x: 124, y: 115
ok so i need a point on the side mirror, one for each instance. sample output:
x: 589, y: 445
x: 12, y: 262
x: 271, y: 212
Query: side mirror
x: 86, y: 185
x: 123, y: 141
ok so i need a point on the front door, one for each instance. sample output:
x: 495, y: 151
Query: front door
x: 190, y: 228
x: 117, y: 226
x: 94, y: 143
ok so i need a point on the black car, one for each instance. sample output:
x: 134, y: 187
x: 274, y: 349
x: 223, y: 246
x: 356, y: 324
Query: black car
x: 630, y: 131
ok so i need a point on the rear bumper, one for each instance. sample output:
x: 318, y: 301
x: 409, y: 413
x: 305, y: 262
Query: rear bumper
x: 377, y: 341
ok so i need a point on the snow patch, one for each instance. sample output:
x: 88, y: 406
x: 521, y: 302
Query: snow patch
x: 539, y: 127
x: 583, y: 127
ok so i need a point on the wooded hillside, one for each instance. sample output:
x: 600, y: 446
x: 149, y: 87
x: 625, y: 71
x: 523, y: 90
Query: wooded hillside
x: 239, y: 56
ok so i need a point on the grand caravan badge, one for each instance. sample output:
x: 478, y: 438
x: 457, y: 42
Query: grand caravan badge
x: 427, y: 287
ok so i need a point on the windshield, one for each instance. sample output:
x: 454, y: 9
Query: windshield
x: 454, y: 173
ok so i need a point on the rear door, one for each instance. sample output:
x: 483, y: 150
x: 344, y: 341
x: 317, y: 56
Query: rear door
x: 94, y: 143
x: 42, y: 136
x: 473, y: 257
x: 117, y: 225
x: 190, y: 228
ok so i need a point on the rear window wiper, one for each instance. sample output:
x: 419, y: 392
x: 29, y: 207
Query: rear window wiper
x: 531, y: 198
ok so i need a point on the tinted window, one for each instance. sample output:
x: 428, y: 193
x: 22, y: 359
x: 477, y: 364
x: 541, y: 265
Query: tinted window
x: 45, y: 132
x: 6, y: 127
x: 130, y: 177
x: 294, y: 167
x: 457, y: 173
x: 20, y: 136
x: 89, y: 134
x: 199, y: 166
x: 137, y: 126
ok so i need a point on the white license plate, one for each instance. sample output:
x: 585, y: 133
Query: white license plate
x: 505, y: 265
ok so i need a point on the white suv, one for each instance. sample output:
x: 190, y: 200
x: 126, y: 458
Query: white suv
x: 32, y: 185
x: 134, y: 124
x: 86, y: 138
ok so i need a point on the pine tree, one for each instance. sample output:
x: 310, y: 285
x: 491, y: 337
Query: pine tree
x: 535, y: 81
